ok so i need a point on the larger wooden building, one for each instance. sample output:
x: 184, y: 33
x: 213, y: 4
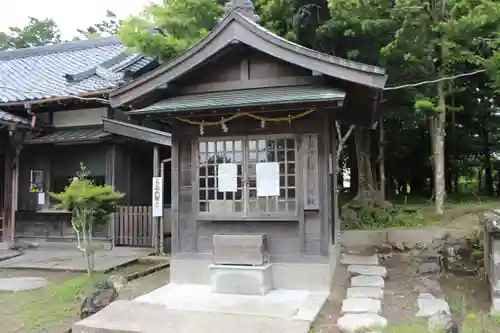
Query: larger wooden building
x: 53, y: 99
x: 261, y: 109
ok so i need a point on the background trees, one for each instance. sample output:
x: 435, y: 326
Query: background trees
x: 35, y: 33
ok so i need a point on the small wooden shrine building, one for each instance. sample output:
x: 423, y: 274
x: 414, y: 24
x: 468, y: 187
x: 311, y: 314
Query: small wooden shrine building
x: 253, y: 140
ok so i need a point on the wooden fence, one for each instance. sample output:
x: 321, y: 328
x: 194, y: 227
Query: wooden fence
x: 134, y: 225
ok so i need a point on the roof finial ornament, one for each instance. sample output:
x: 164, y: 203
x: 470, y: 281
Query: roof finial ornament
x: 246, y: 7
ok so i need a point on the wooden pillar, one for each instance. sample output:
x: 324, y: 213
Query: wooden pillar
x: 174, y: 197
x: 46, y: 167
x: 14, y: 170
x: 335, y: 228
x: 7, y: 195
x: 110, y: 179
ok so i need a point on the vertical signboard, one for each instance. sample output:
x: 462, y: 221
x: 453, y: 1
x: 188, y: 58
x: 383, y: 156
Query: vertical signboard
x: 157, y: 196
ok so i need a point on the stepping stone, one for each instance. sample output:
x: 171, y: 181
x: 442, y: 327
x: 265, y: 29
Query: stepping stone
x: 367, y: 281
x: 361, y: 305
x: 495, y: 307
x: 349, y: 259
x: 439, y: 322
x: 352, y: 323
x: 22, y: 283
x: 367, y: 270
x: 429, y: 306
x: 428, y: 285
x: 429, y: 268
x: 365, y: 292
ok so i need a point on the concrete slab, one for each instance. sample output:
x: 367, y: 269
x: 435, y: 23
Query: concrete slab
x: 73, y: 260
x: 361, y: 305
x: 353, y: 323
x: 367, y: 281
x: 495, y: 307
x: 367, y: 270
x: 429, y: 306
x: 365, y: 292
x: 141, y: 317
x: 22, y: 283
x: 278, y: 303
x: 349, y: 259
x: 6, y: 254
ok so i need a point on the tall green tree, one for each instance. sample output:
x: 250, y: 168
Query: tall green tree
x: 35, y: 33
x: 357, y: 30
x: 169, y: 29
x: 434, y: 36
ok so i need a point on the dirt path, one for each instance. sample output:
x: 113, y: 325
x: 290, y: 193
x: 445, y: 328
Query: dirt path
x: 326, y: 322
x: 400, y: 297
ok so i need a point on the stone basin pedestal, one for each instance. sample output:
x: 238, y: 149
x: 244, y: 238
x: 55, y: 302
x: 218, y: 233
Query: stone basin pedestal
x: 241, y: 280
x: 240, y: 265
x: 492, y: 258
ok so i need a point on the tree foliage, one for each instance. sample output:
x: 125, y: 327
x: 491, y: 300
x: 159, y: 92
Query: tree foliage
x: 35, y: 33
x: 90, y: 205
x: 169, y: 29
x: 108, y: 27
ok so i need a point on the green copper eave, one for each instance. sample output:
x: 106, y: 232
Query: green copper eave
x: 244, y: 98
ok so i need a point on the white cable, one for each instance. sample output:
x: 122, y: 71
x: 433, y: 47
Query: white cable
x: 446, y: 78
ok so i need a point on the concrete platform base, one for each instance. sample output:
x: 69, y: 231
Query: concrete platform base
x: 137, y: 317
x: 194, y: 308
x: 241, y: 280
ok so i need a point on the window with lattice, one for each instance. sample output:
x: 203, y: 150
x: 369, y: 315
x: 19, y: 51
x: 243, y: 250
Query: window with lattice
x: 243, y: 199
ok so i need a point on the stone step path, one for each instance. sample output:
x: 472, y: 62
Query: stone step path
x: 363, y: 303
x: 432, y: 304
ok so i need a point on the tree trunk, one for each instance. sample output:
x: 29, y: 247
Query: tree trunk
x: 367, y: 191
x: 488, y: 170
x: 438, y: 132
x: 479, y: 180
x: 498, y: 183
x: 353, y: 165
x: 381, y: 159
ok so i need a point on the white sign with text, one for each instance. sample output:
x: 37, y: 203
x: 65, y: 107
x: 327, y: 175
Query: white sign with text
x: 157, y: 196
x: 268, y: 179
x: 227, y: 174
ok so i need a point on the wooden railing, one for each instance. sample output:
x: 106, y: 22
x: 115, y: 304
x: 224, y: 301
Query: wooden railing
x: 134, y: 225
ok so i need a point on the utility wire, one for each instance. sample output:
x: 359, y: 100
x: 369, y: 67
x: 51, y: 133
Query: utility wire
x: 445, y: 78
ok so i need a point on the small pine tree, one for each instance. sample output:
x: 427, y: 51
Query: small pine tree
x: 89, y: 205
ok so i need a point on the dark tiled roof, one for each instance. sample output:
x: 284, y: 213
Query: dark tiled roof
x: 71, y: 136
x: 245, y: 97
x: 10, y: 118
x: 66, y: 69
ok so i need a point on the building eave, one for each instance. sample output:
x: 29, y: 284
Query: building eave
x: 236, y: 28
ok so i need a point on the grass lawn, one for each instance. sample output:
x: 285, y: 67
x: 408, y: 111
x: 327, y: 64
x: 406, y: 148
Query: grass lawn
x: 454, y: 209
x: 45, y: 309
x: 56, y: 307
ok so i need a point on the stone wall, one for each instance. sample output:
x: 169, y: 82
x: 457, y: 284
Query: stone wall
x: 492, y: 257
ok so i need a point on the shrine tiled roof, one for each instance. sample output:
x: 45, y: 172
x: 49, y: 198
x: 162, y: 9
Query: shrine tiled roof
x: 244, y: 98
x: 66, y: 69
